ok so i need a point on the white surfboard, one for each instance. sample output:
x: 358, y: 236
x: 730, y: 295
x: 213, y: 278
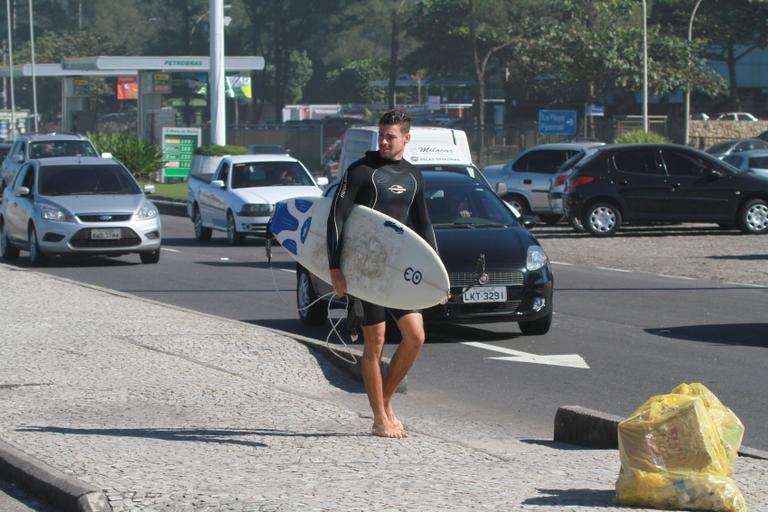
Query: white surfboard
x: 384, y: 261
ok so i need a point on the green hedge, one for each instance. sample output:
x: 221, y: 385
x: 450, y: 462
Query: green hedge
x: 216, y: 150
x: 641, y: 137
x: 142, y: 158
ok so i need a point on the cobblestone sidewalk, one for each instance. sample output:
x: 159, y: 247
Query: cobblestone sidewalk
x: 165, y: 409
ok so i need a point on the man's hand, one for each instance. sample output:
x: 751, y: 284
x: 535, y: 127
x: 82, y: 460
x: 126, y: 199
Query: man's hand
x: 339, y: 282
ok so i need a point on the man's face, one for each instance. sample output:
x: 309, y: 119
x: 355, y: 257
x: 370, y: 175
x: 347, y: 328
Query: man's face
x: 392, y: 141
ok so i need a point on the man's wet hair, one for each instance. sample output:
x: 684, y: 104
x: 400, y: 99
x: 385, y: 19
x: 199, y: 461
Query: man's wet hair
x: 398, y: 117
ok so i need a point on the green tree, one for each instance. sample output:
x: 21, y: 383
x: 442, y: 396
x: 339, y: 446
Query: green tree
x: 727, y: 31
x: 350, y: 82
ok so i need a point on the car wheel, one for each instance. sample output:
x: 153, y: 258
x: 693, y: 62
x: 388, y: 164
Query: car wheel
x: 576, y: 224
x: 753, y: 217
x: 36, y: 256
x: 550, y: 220
x: 536, y: 327
x: 202, y: 233
x: 602, y: 219
x: 317, y: 313
x: 519, y: 202
x: 7, y: 251
x: 150, y: 256
x: 233, y: 237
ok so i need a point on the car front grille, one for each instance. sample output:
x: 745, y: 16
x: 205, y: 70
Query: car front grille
x: 82, y: 239
x: 514, y: 278
x: 489, y: 307
x: 104, y: 217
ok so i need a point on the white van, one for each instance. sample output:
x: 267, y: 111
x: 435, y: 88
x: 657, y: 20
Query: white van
x: 430, y: 149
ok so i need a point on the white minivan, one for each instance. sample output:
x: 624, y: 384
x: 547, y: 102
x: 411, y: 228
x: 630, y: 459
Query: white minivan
x: 430, y: 149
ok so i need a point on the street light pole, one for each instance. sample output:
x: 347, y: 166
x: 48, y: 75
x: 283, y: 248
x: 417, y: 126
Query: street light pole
x: 688, y: 89
x: 216, y: 73
x: 34, y: 74
x: 645, y: 69
x: 12, y: 129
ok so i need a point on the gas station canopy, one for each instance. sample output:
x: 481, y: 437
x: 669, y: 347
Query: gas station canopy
x: 175, y: 63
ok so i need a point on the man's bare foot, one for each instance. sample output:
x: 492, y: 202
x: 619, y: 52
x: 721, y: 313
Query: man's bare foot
x: 388, y: 430
x: 391, y: 415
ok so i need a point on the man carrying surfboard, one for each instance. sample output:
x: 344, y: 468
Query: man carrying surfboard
x: 383, y: 181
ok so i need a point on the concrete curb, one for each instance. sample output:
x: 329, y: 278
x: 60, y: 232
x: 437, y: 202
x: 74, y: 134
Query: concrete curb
x: 595, y: 429
x: 50, y: 484
x: 170, y: 207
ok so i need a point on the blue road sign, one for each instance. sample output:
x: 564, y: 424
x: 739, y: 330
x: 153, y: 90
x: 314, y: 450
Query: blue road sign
x: 557, y: 122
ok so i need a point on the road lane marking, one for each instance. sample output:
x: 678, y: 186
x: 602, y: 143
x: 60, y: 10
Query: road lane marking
x: 562, y: 263
x: 169, y: 250
x: 677, y: 277
x: 569, y: 360
x: 615, y: 269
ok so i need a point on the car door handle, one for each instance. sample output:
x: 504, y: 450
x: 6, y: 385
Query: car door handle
x: 527, y: 182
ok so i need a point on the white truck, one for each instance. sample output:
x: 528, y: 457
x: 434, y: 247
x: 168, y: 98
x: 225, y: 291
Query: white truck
x: 240, y: 196
x: 430, y: 149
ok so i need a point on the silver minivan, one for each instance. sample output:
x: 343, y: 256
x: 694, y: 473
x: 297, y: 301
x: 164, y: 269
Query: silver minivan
x: 524, y: 181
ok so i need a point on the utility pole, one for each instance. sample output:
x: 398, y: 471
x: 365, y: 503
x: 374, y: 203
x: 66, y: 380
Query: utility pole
x: 34, y: 74
x: 688, y: 89
x: 12, y: 128
x: 216, y: 73
x: 645, y: 68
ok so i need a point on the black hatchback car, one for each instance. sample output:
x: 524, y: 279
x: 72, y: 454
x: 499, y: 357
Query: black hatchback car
x: 663, y: 183
x: 497, y: 269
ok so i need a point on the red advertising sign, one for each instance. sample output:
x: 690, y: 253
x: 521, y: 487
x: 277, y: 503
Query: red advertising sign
x: 127, y: 88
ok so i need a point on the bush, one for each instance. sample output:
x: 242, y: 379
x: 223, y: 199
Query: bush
x: 142, y: 158
x: 641, y: 137
x: 216, y: 150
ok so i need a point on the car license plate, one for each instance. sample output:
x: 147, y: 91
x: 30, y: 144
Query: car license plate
x: 105, y: 234
x: 486, y: 294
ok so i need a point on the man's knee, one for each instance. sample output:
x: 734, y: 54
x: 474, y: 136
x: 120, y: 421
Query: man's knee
x: 374, y: 343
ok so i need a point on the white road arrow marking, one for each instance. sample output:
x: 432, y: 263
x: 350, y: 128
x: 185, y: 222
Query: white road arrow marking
x: 569, y: 360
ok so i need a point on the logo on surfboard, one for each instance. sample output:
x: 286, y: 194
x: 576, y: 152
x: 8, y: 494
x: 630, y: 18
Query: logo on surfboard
x: 414, y: 276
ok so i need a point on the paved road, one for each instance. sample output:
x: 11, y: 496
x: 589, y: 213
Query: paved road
x: 640, y: 333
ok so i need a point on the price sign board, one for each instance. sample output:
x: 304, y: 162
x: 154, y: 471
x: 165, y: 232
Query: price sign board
x: 178, y: 148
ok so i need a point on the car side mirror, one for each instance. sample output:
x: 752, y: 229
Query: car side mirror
x: 218, y: 183
x: 149, y: 189
x: 322, y: 181
x: 501, y: 188
x: 18, y: 159
x: 529, y: 221
x: 22, y: 192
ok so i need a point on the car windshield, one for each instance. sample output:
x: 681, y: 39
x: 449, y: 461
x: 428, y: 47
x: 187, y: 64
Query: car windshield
x: 466, y: 170
x: 720, y: 148
x: 70, y: 180
x: 269, y: 174
x: 465, y: 205
x: 53, y: 148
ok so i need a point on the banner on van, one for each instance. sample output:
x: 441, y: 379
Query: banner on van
x: 424, y: 154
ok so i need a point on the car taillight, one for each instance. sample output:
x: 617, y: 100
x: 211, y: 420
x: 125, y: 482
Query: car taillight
x: 577, y: 181
x: 559, y: 180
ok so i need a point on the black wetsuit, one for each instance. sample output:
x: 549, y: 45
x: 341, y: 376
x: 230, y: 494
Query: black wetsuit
x: 392, y: 187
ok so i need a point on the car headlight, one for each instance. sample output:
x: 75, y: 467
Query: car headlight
x: 57, y: 214
x: 536, y: 258
x: 146, y: 212
x: 256, y: 210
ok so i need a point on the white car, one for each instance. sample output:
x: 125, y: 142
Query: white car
x: 736, y: 116
x: 240, y: 196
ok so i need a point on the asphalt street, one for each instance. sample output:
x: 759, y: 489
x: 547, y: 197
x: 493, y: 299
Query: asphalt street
x: 622, y: 336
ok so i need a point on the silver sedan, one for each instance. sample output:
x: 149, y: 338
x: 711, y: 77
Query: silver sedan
x: 82, y: 205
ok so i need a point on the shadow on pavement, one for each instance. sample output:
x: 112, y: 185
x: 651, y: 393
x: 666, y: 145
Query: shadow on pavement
x: 575, y: 497
x: 276, y: 265
x: 195, y: 435
x: 742, y: 257
x: 724, y: 334
x: 216, y: 241
x: 556, y: 445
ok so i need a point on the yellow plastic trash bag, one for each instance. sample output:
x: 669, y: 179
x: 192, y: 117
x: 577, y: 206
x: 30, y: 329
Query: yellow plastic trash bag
x: 678, y: 451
